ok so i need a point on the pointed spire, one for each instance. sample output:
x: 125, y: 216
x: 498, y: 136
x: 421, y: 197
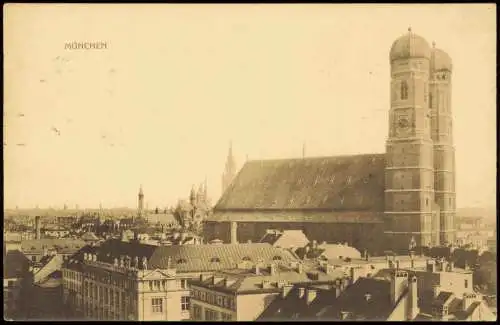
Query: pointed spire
x: 409, y: 29
x: 141, y: 193
x: 433, y: 44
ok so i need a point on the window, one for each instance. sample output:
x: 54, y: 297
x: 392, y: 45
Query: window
x: 196, y: 312
x: 246, y: 258
x: 215, y: 260
x: 157, y: 305
x: 404, y: 90
x: 184, y: 283
x: 185, y: 301
x: 430, y: 100
x: 226, y: 317
x: 210, y: 314
x: 426, y: 202
x: 277, y: 258
x: 11, y: 284
x: 181, y: 261
x: 466, y: 284
x: 33, y: 258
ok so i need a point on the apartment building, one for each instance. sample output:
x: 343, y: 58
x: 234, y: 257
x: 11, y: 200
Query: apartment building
x: 242, y: 294
x: 120, y: 280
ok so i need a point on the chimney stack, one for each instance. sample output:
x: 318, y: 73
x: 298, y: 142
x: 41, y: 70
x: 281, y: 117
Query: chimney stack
x: 435, y: 290
x: 300, y: 268
x: 413, y: 308
x: 285, y: 289
x: 468, y: 299
x: 301, y: 292
x: 310, y: 295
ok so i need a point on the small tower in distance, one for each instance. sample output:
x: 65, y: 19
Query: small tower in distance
x: 140, y: 205
x: 230, y: 170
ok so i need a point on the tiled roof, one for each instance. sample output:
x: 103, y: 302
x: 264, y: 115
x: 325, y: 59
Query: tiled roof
x: 286, y: 238
x: 15, y: 264
x: 354, y: 301
x: 191, y: 258
x: 292, y: 306
x: 62, y: 245
x: 330, y: 183
x: 245, y: 281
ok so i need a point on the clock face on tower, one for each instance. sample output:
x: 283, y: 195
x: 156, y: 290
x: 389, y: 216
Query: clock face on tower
x: 403, y: 125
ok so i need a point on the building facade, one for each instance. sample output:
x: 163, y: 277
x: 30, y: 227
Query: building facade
x: 120, y: 280
x: 372, y: 201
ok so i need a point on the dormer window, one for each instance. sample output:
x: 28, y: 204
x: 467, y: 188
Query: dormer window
x: 246, y: 258
x: 278, y: 258
x: 404, y: 90
x: 181, y: 261
x: 214, y: 260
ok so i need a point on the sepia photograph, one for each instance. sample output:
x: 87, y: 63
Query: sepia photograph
x: 250, y: 162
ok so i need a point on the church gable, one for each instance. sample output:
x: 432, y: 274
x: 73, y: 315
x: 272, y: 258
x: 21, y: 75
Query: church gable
x: 343, y: 183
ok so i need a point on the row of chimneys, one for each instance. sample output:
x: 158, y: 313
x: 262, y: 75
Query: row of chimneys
x: 440, y: 265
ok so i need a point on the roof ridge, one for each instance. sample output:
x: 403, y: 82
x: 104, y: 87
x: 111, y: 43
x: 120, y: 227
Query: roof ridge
x: 316, y: 157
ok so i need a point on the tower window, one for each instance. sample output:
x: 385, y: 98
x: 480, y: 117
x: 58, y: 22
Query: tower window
x: 404, y: 90
x: 430, y: 100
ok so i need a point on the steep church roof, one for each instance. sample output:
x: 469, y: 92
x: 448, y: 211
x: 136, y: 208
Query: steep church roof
x: 342, y: 183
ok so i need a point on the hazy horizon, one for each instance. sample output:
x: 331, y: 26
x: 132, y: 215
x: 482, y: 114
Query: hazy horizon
x: 177, y: 83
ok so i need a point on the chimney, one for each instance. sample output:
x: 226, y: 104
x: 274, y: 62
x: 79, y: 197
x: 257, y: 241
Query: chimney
x: 399, y: 282
x: 397, y: 264
x: 257, y: 269
x: 431, y: 266
x: 468, y: 299
x: 435, y: 290
x: 314, y: 244
x: 37, y: 228
x: 311, y: 295
x: 273, y: 269
x: 413, y: 309
x: 301, y: 292
x: 355, y: 274
x: 300, y: 268
x: 285, y: 290
x: 451, y: 266
x: 338, y: 289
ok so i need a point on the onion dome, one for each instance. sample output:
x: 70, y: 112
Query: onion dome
x: 409, y: 46
x: 440, y: 60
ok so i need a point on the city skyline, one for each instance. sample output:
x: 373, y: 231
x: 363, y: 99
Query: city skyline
x: 160, y: 106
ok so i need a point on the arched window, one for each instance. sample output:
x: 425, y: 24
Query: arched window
x: 404, y: 90
x: 277, y: 258
x: 246, y: 258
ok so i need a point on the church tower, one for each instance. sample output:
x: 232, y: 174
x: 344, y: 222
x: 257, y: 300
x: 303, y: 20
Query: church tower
x: 140, y: 206
x: 409, y: 176
x: 229, y: 171
x: 442, y: 136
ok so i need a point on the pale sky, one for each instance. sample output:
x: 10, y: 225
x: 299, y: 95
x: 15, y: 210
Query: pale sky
x: 177, y: 83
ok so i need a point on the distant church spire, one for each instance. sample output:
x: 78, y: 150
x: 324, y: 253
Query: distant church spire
x: 140, y: 205
x: 230, y: 169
